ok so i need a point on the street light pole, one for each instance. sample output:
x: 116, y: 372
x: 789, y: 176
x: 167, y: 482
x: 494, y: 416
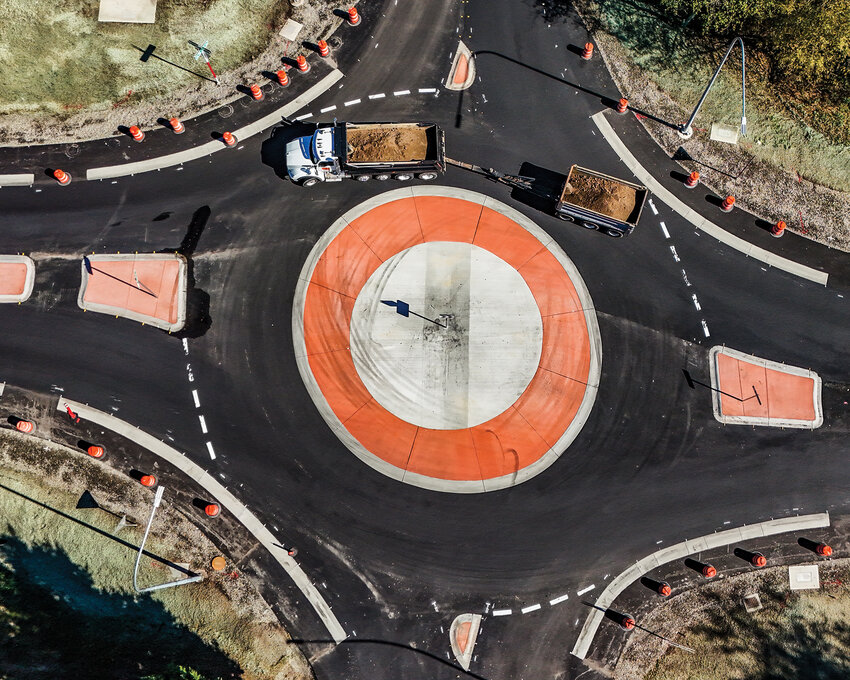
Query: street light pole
x: 192, y: 579
x: 685, y: 129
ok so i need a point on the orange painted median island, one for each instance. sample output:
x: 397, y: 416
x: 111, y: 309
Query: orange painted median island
x: 447, y: 340
x: 754, y: 391
x: 17, y: 273
x: 149, y: 288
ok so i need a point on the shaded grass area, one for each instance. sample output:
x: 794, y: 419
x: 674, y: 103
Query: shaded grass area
x: 802, y: 136
x: 76, y: 569
x: 57, y: 58
x: 799, y: 635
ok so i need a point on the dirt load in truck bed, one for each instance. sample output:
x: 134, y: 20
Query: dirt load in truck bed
x: 387, y: 144
x: 606, y: 196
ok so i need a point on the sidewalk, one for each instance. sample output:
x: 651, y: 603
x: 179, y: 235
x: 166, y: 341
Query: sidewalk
x: 738, y: 222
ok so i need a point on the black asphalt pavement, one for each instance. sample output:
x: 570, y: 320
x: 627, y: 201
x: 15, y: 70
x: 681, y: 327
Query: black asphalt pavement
x: 397, y: 563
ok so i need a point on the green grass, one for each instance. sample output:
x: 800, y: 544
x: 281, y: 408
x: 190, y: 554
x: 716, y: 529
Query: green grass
x: 802, y: 635
x: 798, y: 134
x: 57, y: 58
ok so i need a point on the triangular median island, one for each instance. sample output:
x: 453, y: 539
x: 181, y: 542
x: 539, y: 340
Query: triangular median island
x: 753, y: 391
x: 149, y: 288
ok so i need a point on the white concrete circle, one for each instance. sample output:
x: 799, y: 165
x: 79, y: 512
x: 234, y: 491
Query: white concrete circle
x: 466, y: 370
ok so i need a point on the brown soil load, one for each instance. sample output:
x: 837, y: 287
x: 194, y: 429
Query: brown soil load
x: 382, y: 144
x: 605, y: 196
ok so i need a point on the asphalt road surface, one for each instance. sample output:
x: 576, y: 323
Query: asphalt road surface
x: 397, y: 563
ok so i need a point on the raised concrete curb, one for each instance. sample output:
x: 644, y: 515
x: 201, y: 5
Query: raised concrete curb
x: 28, y: 283
x: 775, y: 366
x: 182, y: 278
x: 222, y: 496
x: 464, y: 655
x: 20, y: 180
x: 680, y: 551
x: 241, y: 134
x: 695, y: 218
x: 339, y: 429
x: 463, y: 55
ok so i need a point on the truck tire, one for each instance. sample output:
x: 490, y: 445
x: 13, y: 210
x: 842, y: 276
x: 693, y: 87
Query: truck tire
x: 363, y: 178
x: 589, y: 225
x: 614, y: 233
x: 404, y: 177
x: 566, y: 218
x: 427, y: 176
x: 309, y: 182
x: 382, y: 177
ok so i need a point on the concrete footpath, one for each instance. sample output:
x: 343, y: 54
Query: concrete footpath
x: 223, y: 497
x: 681, y: 551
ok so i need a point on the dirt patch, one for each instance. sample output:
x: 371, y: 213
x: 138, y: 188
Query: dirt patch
x: 372, y: 145
x: 605, y: 196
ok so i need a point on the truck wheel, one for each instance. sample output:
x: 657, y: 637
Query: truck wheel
x: 403, y: 177
x: 363, y: 178
x: 566, y: 218
x: 614, y: 233
x: 427, y: 176
x: 588, y: 225
x: 309, y: 182
x: 383, y: 177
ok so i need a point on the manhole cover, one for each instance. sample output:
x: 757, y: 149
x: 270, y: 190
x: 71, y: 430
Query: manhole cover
x: 113, y: 141
x: 334, y: 42
x: 225, y: 111
x: 72, y: 150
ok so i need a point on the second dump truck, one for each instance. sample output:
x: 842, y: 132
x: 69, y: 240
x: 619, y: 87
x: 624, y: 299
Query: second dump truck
x: 365, y: 151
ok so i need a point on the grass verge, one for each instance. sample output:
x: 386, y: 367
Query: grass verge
x: 783, y: 170
x: 797, y: 635
x: 66, y: 599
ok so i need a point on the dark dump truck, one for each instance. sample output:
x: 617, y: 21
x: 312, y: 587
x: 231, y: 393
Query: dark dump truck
x: 365, y: 151
x: 591, y: 199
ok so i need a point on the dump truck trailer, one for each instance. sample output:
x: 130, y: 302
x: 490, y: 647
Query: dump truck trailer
x: 591, y: 199
x: 365, y: 151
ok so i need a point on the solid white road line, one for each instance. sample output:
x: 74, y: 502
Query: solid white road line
x: 558, y: 600
x: 585, y: 590
x: 195, y: 397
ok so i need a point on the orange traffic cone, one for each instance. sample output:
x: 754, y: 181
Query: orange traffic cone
x: 62, y: 177
x: 228, y: 138
x: 176, y: 126
x: 692, y: 180
x: 303, y: 66
x: 353, y: 17
x: 256, y: 93
x: 137, y: 134
x: 283, y: 78
x: 324, y: 50
x: 728, y: 204
x: 147, y: 480
x: 587, y: 53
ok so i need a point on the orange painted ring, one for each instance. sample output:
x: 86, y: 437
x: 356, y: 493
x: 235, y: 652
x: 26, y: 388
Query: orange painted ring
x: 509, y: 448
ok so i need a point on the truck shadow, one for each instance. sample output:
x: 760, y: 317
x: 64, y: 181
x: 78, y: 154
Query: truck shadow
x: 273, y: 150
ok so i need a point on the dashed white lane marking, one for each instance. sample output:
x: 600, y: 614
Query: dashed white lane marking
x: 675, y: 254
x: 558, y: 600
x: 352, y: 102
x: 685, y: 277
x: 502, y: 612
x: 195, y: 397
x: 586, y: 590
x: 399, y: 93
x: 380, y: 95
x: 306, y: 115
x: 531, y: 608
x: 203, y: 424
x: 210, y: 449
x: 427, y: 90
x: 664, y: 229
x: 652, y: 205
x: 328, y: 108
x: 705, y: 329
x: 186, y: 346
x: 696, y: 302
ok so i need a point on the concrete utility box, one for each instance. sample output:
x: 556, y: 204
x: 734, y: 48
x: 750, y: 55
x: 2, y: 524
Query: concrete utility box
x: 128, y: 11
x: 804, y: 578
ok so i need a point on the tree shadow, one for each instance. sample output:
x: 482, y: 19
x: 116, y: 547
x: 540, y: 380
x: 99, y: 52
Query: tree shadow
x: 55, y: 624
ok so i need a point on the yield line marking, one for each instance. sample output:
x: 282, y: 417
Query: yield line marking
x: 586, y: 590
x: 558, y: 600
x: 532, y: 608
x: 210, y: 449
x: 502, y: 612
x: 195, y: 397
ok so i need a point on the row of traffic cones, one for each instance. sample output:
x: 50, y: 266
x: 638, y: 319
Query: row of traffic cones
x: 257, y: 94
